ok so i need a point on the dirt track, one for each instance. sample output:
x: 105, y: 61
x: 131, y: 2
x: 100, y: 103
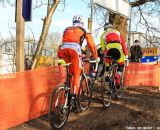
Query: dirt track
x: 136, y: 110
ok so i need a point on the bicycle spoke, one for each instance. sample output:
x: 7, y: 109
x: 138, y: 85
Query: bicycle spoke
x: 58, y: 108
x: 85, y: 93
x: 106, y: 93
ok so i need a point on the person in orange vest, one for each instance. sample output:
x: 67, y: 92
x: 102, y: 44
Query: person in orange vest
x: 72, y: 41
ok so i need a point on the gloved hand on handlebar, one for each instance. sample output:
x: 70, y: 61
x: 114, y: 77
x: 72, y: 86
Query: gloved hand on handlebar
x: 83, y: 56
x: 98, y: 60
x: 126, y: 56
x: 126, y: 61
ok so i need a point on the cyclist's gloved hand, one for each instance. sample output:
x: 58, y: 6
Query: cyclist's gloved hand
x: 126, y: 56
x: 83, y: 56
x: 98, y: 60
x: 126, y: 61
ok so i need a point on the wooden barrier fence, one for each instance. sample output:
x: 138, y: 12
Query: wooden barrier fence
x: 25, y: 95
x: 140, y: 75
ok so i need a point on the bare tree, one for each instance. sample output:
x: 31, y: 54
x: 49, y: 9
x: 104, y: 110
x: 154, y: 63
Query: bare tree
x: 51, y: 7
x: 5, y: 2
x: 44, y: 33
x: 120, y: 23
x: 141, y: 2
x: 145, y: 14
x: 143, y: 17
x: 53, y: 40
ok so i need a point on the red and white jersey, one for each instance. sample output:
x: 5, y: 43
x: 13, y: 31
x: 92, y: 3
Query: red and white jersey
x: 76, y: 35
x: 115, y: 36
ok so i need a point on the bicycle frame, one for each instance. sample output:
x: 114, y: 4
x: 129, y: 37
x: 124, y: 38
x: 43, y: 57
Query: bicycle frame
x: 112, y: 63
x: 83, y: 75
x: 114, y: 69
x: 111, y: 60
x: 90, y: 61
x: 67, y: 83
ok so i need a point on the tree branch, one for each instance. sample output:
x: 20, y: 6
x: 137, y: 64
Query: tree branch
x: 44, y: 33
x: 140, y: 2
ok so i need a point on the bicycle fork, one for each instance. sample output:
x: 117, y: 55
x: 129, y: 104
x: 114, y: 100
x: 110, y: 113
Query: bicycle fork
x: 66, y: 95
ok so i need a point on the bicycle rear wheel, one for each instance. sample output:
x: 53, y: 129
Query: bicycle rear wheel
x: 85, y: 92
x: 59, y: 107
x: 120, y: 92
x: 105, y: 92
x: 116, y: 92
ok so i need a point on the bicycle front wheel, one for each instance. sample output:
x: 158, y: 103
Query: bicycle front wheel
x: 58, y: 107
x: 85, y: 92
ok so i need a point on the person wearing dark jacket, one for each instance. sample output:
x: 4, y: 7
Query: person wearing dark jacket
x: 136, y: 52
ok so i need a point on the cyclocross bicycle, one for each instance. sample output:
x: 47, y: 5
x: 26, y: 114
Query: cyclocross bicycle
x: 108, y: 89
x: 61, y: 102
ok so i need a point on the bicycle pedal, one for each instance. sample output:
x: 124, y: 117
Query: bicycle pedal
x: 76, y: 111
x: 65, y: 107
x: 75, y: 108
x: 109, y: 93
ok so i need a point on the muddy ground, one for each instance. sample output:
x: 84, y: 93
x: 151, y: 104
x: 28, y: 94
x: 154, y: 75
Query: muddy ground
x: 138, y: 110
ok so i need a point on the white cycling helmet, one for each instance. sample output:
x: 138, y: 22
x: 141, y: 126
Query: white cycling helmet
x: 78, y: 20
x: 107, y: 25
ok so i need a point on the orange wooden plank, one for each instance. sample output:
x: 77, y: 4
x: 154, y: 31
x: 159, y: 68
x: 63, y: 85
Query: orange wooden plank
x: 25, y: 95
x: 138, y: 74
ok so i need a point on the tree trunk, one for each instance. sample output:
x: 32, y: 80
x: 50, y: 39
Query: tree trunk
x: 44, y: 33
x: 119, y: 23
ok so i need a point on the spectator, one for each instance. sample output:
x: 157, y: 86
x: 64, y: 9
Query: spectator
x: 136, y: 52
x: 27, y: 63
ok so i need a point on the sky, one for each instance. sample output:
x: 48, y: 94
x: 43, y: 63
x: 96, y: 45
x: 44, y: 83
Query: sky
x: 61, y: 19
